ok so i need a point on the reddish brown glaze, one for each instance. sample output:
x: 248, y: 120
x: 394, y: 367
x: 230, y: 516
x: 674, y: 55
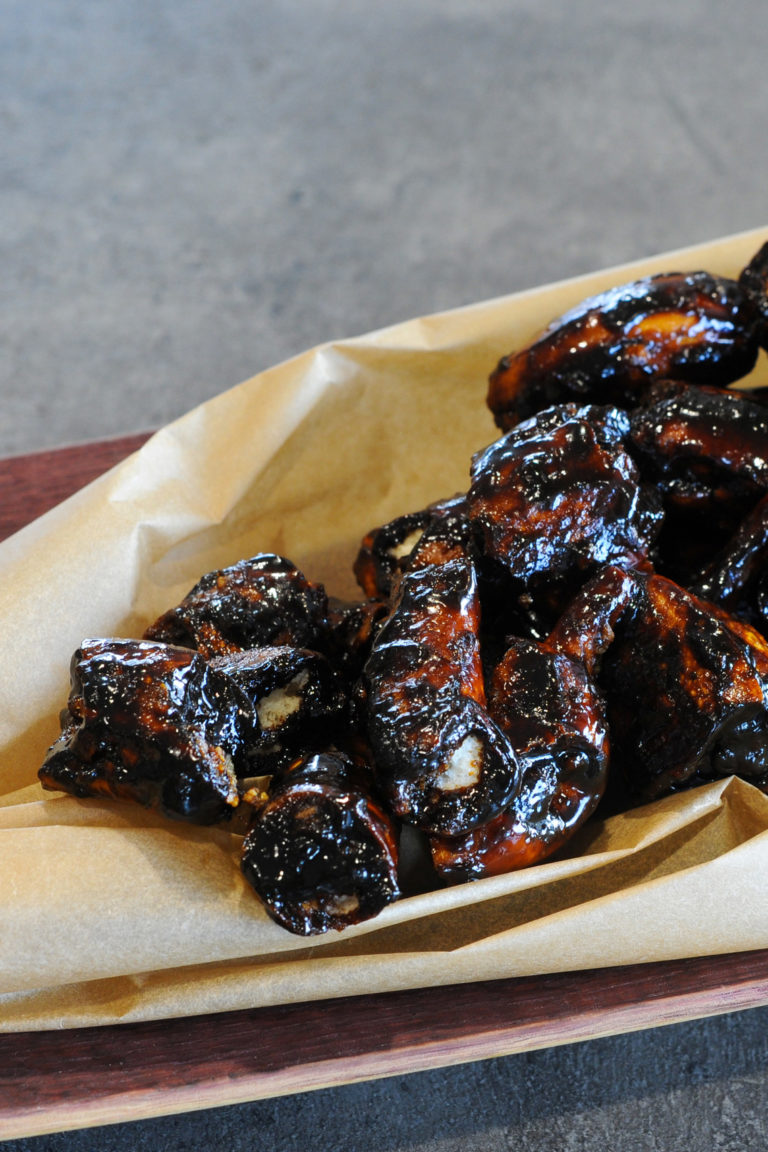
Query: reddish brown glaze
x: 737, y: 578
x: 554, y: 718
x: 265, y: 600
x: 384, y: 552
x: 685, y: 684
x: 559, y: 496
x: 685, y: 326
x: 425, y: 694
x: 322, y: 852
x: 704, y: 435
x: 706, y: 449
x: 153, y: 724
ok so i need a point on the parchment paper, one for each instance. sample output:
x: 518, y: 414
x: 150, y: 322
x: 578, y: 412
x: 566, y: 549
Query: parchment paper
x: 110, y: 913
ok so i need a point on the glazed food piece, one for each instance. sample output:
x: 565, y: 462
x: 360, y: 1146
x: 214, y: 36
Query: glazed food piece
x: 706, y: 436
x: 322, y: 852
x: 444, y: 764
x: 685, y: 683
x: 297, y: 698
x: 554, y: 718
x: 706, y: 449
x: 737, y: 578
x: 685, y: 326
x: 154, y: 724
x: 262, y: 601
x: 384, y: 552
x: 352, y: 626
x: 559, y: 496
x: 754, y: 281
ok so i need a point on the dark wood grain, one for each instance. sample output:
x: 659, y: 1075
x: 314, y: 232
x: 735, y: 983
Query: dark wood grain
x: 52, y: 1081
x: 32, y: 484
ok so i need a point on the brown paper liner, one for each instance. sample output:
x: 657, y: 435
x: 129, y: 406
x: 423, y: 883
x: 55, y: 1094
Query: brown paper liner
x: 110, y: 914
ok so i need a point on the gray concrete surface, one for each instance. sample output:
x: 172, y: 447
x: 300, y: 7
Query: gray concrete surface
x: 190, y: 192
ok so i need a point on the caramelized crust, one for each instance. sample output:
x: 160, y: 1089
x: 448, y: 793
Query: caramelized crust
x: 685, y: 326
x: 443, y: 763
x: 554, y: 718
x: 685, y: 684
x: 706, y: 449
x: 322, y: 852
x: 153, y: 724
x: 559, y: 496
x: 262, y: 601
x: 737, y: 578
x: 384, y: 552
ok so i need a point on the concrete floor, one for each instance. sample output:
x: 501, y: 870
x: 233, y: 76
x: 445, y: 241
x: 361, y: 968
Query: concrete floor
x: 192, y: 192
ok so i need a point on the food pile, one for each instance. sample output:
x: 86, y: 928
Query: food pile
x: 585, y: 625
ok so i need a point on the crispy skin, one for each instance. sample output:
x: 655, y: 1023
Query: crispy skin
x: 684, y: 326
x: 262, y: 601
x: 554, y: 718
x: 706, y: 449
x: 322, y: 852
x: 154, y: 724
x: 425, y: 697
x: 298, y: 700
x: 559, y: 496
x: 685, y: 683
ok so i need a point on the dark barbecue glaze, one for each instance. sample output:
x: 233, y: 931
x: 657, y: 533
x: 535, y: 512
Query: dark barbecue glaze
x: 384, y: 552
x: 297, y: 698
x: 706, y: 449
x: 559, y: 495
x: 424, y: 696
x: 707, y: 435
x: 352, y: 626
x: 737, y: 578
x: 553, y: 716
x: 154, y: 724
x: 265, y: 600
x: 322, y: 852
x: 685, y: 683
x: 684, y: 326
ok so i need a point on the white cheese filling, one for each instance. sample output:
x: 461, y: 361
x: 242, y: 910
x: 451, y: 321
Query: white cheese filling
x: 275, y: 708
x: 464, y: 766
x: 406, y: 546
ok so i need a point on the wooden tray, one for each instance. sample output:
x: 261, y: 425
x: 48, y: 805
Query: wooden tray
x: 53, y: 1081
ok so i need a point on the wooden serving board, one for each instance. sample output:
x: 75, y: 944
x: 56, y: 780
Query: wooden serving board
x: 53, y: 1081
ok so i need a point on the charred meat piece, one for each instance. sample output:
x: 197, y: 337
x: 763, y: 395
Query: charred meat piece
x: 154, y: 724
x: 707, y: 451
x: 322, y: 852
x: 385, y: 551
x: 262, y: 601
x: 754, y: 281
x: 443, y: 763
x: 297, y: 697
x: 352, y: 626
x: 737, y: 578
x: 685, y: 683
x: 554, y: 718
x: 705, y: 435
x: 559, y: 496
x: 685, y: 326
